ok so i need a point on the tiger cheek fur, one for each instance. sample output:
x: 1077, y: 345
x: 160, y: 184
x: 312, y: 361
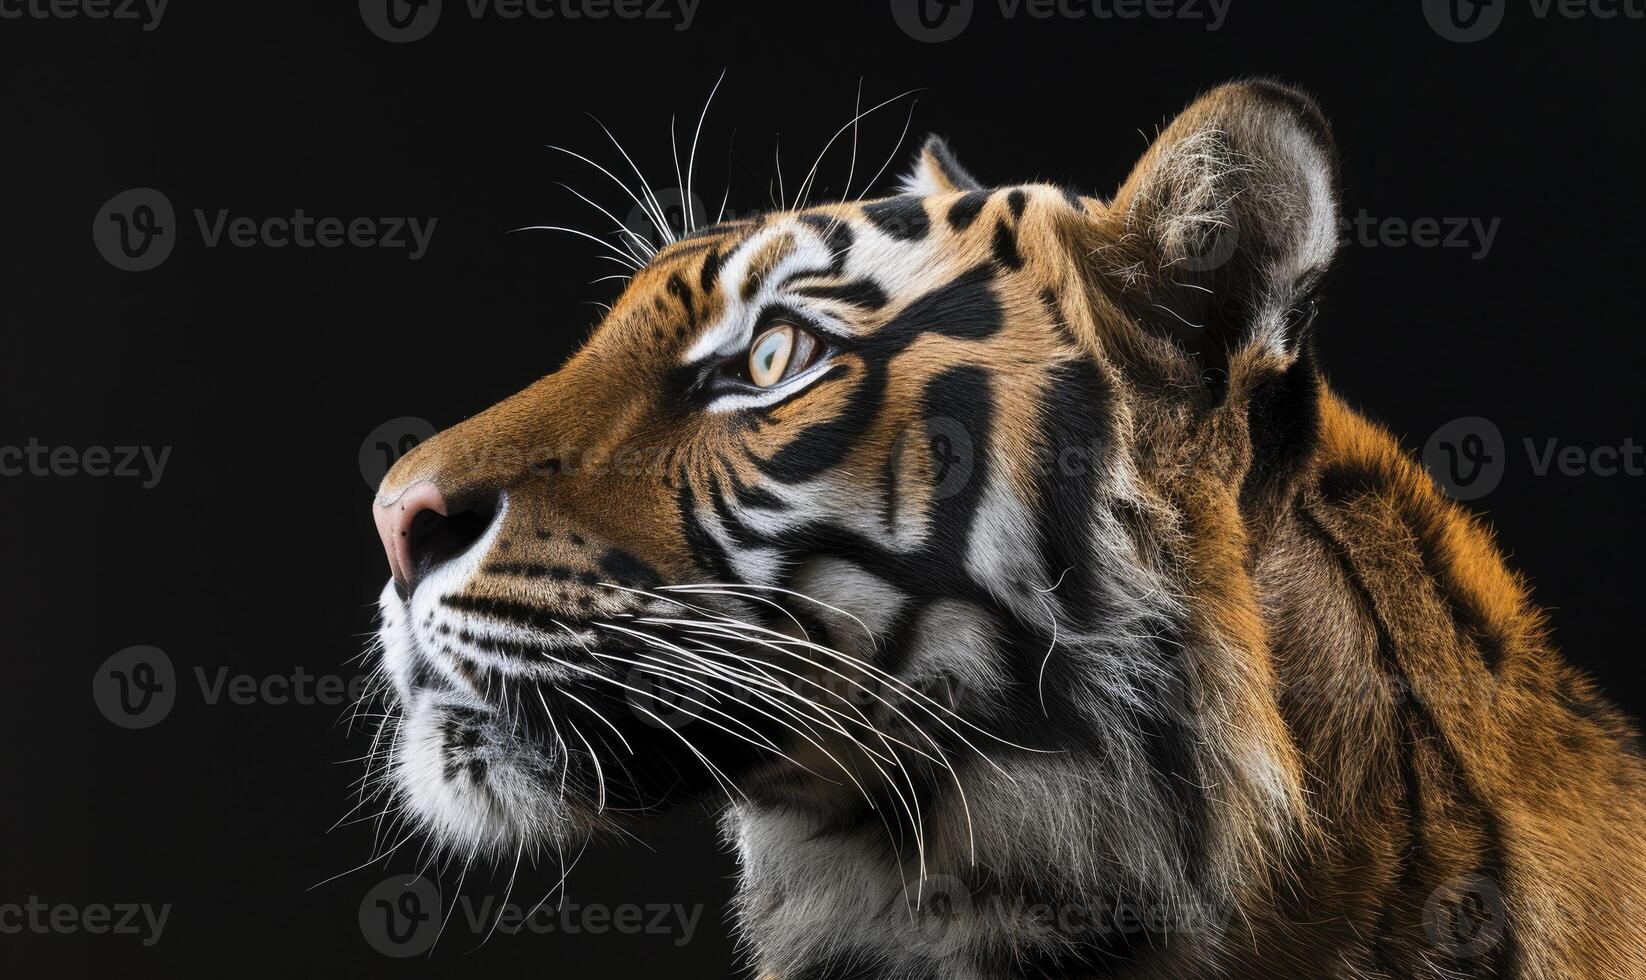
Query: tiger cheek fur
x: 1003, y: 561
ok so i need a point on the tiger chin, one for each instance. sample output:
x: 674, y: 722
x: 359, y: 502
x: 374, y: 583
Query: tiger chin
x: 1002, y: 564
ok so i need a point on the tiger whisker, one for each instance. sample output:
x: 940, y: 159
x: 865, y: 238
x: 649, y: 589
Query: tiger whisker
x: 662, y: 231
x: 804, y: 193
x: 896, y: 148
x: 646, y: 251
x: 627, y: 687
x: 943, y: 759
x: 909, y: 803
x: 691, y: 157
x: 660, y: 217
x: 620, y: 256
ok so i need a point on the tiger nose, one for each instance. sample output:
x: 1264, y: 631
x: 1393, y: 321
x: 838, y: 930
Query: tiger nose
x: 421, y: 531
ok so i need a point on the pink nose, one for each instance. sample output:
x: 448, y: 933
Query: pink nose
x: 394, y: 526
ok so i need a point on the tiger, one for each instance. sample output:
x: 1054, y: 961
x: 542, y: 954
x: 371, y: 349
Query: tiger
x: 998, y: 564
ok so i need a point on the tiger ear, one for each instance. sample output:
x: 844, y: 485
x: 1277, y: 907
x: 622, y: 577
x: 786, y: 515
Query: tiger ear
x: 937, y: 172
x: 1227, y: 224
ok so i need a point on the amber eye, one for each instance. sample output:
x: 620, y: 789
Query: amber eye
x: 769, y: 355
x: 780, y: 352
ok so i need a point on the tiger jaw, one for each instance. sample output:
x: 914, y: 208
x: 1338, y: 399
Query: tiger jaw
x: 457, y: 767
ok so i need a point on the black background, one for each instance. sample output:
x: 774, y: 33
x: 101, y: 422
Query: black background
x: 265, y: 369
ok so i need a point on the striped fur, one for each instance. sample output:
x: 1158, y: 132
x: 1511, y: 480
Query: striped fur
x: 1059, y: 622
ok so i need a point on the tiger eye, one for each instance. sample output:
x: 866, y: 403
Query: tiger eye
x: 769, y: 356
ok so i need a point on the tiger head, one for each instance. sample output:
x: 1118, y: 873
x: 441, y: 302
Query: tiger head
x: 887, y: 513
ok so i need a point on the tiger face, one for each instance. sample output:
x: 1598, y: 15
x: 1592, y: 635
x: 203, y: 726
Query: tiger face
x: 1002, y: 560
x: 841, y: 510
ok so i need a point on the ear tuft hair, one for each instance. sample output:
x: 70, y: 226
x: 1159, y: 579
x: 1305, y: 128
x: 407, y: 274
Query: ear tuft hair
x: 1228, y: 222
x: 936, y: 171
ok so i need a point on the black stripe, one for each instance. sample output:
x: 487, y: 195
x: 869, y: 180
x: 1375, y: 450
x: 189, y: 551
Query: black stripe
x: 865, y: 293
x: 837, y: 235
x: 1005, y: 247
x: 965, y: 308
x: 902, y: 217
x: 682, y: 292
x: 1345, y: 483
x: 965, y: 211
x: 1423, y: 730
x: 506, y: 610
x: 533, y: 569
x: 1073, y: 451
x: 703, y: 546
x: 1017, y: 201
x: 958, y: 408
x: 711, y: 270
x: 625, y: 569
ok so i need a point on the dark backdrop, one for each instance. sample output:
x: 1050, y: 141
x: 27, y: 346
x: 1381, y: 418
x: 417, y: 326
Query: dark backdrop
x: 270, y: 373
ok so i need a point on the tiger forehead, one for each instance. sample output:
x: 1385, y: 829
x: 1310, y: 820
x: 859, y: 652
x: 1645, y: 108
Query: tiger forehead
x: 705, y: 283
